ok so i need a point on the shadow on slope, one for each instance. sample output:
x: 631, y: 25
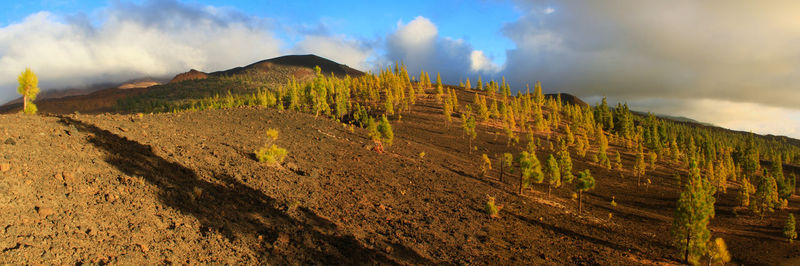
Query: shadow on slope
x: 237, y: 210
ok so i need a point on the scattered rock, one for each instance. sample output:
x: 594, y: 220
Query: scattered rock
x: 5, y: 167
x: 283, y: 239
x: 10, y: 141
x: 45, y: 211
x: 68, y: 177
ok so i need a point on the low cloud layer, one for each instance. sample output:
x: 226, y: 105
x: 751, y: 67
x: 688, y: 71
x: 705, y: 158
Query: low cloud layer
x: 751, y: 117
x: 130, y: 41
x: 738, y: 51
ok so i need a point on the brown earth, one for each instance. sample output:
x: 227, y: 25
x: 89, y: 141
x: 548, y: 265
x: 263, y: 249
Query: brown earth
x: 185, y: 188
x: 190, y: 75
x: 103, y: 98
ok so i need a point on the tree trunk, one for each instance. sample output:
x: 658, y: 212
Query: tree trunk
x: 548, y: 190
x: 520, y: 183
x: 501, y: 170
x: 580, y: 201
x: 688, y: 238
x: 24, y: 103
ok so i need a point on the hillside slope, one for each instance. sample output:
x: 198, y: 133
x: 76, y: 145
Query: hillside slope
x: 185, y: 188
x: 192, y: 84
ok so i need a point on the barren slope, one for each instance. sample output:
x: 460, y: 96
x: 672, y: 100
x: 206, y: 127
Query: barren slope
x: 185, y: 188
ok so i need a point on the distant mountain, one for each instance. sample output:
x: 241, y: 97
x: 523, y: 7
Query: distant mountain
x: 304, y: 61
x: 302, y: 66
x: 675, y: 118
x: 567, y: 98
x: 104, y: 97
x: 72, y: 99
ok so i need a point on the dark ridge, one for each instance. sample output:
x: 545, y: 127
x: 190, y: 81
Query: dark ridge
x: 307, y: 61
x: 192, y: 74
x: 567, y: 98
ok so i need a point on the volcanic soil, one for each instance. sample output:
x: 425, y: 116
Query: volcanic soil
x: 186, y: 188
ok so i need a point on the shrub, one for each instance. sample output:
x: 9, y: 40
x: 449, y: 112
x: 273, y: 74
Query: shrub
x: 718, y: 253
x: 486, y: 165
x: 272, y: 134
x: 491, y: 209
x: 272, y: 154
x: 789, y: 230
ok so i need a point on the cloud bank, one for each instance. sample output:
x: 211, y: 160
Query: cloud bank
x: 420, y: 47
x: 153, y: 39
x: 737, y: 51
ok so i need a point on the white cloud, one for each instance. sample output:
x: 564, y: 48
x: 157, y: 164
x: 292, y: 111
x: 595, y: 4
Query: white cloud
x: 420, y: 47
x: 337, y: 48
x: 130, y: 41
x: 481, y: 63
x: 418, y: 35
x: 727, y: 50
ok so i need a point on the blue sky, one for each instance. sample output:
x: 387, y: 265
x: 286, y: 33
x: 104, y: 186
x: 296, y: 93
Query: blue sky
x: 478, y: 22
x: 715, y: 61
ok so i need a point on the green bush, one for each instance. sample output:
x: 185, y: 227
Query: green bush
x: 386, y: 130
x: 272, y: 154
x: 491, y: 209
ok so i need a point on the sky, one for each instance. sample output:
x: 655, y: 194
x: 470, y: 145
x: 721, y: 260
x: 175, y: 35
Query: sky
x: 730, y: 63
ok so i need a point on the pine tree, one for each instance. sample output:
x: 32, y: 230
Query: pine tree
x: 385, y: 129
x: 530, y: 170
x: 372, y: 130
x: 29, y: 88
x: 584, y: 182
x: 319, y: 93
x: 553, y: 173
x: 602, y: 154
x: 483, y: 111
x: 618, y: 161
x: 785, y: 187
x: 695, y: 208
x: 468, y: 124
x: 570, y: 137
x: 639, y: 166
x: 789, y: 230
x: 653, y: 158
x: 538, y: 96
x: 565, y: 163
x: 507, y: 160
x: 439, y: 88
x: 454, y: 98
x: 479, y: 84
x: 493, y: 110
x: 467, y: 84
x: 447, y: 110
x: 766, y: 197
x: 745, y: 189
